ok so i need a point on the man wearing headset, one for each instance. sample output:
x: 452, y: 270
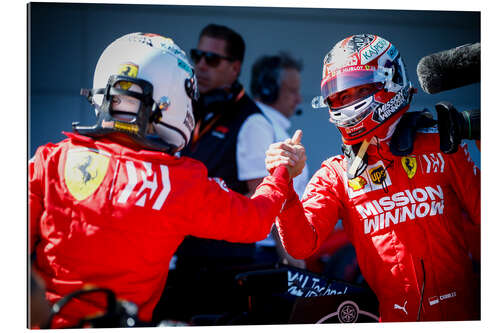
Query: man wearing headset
x: 275, y: 86
x: 205, y: 267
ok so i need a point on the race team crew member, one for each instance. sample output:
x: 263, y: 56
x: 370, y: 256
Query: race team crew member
x: 204, y: 268
x: 109, y: 208
x: 223, y: 111
x: 405, y: 215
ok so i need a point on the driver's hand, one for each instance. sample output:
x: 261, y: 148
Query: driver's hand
x: 290, y: 153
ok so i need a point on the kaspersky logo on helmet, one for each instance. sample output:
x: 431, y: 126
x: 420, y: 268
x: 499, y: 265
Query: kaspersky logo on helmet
x: 372, y: 51
x: 128, y: 69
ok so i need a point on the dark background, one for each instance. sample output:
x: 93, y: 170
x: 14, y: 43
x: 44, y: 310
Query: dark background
x: 65, y: 41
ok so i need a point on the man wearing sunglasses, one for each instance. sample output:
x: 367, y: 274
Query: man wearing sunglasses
x: 205, y: 268
x: 222, y: 109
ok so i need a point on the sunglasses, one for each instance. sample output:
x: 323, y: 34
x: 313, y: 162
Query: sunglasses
x: 212, y: 59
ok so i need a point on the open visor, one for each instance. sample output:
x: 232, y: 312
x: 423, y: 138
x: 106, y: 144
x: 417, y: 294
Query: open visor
x: 353, y: 76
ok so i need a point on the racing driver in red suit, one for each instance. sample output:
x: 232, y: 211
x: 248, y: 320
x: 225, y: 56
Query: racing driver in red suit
x: 109, y: 205
x: 406, y: 211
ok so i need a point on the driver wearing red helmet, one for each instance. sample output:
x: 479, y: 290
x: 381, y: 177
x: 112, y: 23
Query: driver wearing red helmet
x: 405, y: 205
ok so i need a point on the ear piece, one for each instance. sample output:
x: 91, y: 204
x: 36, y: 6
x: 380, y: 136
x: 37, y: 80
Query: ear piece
x: 266, y: 86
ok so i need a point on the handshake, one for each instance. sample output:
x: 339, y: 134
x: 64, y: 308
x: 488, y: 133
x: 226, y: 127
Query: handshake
x: 290, y: 153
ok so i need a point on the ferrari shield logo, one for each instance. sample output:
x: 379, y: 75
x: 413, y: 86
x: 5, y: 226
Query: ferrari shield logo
x: 410, y: 165
x: 84, y: 171
x: 128, y: 69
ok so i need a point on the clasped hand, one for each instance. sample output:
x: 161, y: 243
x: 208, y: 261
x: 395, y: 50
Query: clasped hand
x: 290, y: 153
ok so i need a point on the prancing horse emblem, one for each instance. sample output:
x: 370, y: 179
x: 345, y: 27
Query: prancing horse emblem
x: 84, y: 172
x: 409, y: 165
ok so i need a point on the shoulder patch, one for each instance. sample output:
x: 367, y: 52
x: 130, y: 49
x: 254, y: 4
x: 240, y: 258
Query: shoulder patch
x: 84, y: 171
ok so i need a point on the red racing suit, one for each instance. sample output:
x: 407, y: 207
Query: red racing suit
x: 405, y: 217
x: 110, y: 216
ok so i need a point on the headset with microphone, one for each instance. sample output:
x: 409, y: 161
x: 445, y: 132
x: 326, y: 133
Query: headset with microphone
x: 265, y: 81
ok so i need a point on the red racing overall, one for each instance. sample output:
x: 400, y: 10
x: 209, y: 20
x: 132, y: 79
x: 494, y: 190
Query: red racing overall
x: 110, y: 216
x: 407, y: 219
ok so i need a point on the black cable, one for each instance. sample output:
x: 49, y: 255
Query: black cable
x: 422, y: 292
x: 59, y: 305
x: 390, y: 163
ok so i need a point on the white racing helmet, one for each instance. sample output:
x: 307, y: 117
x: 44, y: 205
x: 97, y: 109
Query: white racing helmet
x: 143, y: 87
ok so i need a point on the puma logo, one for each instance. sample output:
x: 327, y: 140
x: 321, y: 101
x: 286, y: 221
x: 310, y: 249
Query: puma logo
x: 399, y: 307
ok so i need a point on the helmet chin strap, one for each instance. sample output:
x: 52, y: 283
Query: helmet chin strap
x: 136, y: 129
x: 354, y: 170
x: 357, y: 166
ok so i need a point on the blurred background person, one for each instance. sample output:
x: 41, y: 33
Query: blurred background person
x: 205, y: 268
x: 275, y: 85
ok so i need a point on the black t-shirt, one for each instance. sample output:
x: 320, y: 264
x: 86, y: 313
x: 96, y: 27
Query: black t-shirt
x: 216, y: 148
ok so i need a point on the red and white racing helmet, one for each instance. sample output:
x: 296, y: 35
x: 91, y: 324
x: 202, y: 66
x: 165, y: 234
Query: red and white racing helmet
x: 365, y: 87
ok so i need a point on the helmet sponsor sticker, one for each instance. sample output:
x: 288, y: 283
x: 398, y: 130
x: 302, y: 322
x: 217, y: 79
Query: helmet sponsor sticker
x: 163, y: 103
x: 372, y: 51
x: 384, y: 111
x: 121, y: 126
x: 358, y: 42
x: 354, y: 132
x: 124, y: 127
x: 409, y: 165
x: 392, y: 53
x: 128, y: 69
x: 84, y: 171
x: 189, y: 121
x: 347, y: 69
x: 184, y: 66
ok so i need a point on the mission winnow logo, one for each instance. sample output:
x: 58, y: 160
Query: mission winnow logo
x: 401, y: 207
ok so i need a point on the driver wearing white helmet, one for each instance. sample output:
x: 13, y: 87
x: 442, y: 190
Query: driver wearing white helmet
x: 109, y: 205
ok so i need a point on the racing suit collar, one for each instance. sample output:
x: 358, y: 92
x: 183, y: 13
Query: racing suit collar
x: 107, y: 144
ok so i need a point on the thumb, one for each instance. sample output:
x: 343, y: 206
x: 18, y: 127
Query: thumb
x: 297, y: 136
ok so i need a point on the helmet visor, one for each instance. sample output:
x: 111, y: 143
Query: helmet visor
x: 353, y: 76
x: 353, y: 114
